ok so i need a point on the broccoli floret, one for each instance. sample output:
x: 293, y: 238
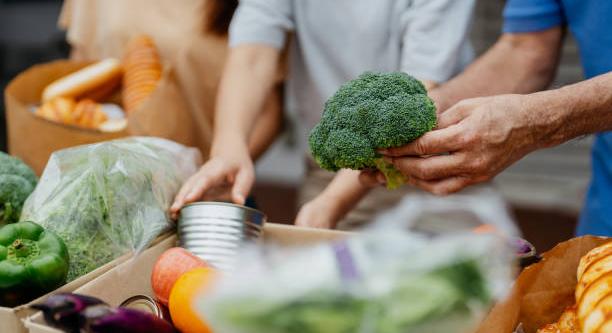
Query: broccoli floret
x: 17, y: 181
x: 376, y: 110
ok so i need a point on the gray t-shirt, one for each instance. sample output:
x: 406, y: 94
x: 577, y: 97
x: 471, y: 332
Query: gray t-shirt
x: 336, y: 40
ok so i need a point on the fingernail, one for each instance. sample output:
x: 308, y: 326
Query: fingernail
x: 239, y: 198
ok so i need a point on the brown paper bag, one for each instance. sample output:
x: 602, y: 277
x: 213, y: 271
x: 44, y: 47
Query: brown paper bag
x: 194, y: 59
x: 542, y: 291
x: 99, y: 29
x: 32, y: 138
x: 164, y: 114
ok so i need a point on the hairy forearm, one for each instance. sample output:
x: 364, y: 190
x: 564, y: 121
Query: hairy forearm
x: 572, y: 111
x: 247, y: 82
x: 268, y: 125
x: 521, y: 63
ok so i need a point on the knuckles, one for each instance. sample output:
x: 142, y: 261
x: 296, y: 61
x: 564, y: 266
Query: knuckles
x: 420, y: 148
x: 477, y: 165
x: 463, y: 106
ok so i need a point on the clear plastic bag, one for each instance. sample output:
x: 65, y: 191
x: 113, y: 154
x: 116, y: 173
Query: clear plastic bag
x: 383, y: 281
x: 109, y: 198
x: 461, y: 212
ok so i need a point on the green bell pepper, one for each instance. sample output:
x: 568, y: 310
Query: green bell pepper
x: 33, y: 261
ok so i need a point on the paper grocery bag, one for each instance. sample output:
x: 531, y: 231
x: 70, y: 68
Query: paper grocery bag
x: 193, y: 58
x: 164, y: 114
x: 32, y: 138
x: 543, y: 290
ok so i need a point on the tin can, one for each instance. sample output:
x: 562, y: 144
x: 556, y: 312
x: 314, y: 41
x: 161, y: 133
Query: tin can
x: 222, y: 212
x: 215, y: 231
x: 146, y: 304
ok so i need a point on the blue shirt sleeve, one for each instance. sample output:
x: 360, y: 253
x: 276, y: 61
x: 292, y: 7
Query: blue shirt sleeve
x: 532, y: 15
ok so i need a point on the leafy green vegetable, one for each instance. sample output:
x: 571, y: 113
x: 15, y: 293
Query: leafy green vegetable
x: 105, y: 200
x: 414, y: 301
x: 376, y: 110
x: 17, y: 181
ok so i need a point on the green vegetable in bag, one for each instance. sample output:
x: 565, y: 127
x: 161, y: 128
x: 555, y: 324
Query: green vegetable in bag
x: 379, y: 282
x: 108, y: 199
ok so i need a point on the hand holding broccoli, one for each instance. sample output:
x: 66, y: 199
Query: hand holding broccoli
x: 475, y: 140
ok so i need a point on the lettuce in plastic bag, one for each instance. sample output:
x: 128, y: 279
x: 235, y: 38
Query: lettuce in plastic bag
x: 380, y: 282
x: 110, y: 198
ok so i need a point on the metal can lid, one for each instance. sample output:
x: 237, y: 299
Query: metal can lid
x: 222, y: 210
x: 146, y: 304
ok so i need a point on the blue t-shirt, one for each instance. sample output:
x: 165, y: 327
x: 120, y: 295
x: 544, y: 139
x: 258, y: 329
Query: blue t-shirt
x: 590, y: 21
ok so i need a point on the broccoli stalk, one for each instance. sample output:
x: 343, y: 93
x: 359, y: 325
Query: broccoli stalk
x: 374, y: 111
x: 394, y: 178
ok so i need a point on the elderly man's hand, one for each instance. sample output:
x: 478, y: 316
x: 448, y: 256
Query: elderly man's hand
x: 474, y: 141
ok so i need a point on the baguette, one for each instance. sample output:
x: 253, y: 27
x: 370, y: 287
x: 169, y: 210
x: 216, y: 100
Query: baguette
x: 142, y: 72
x: 101, y: 77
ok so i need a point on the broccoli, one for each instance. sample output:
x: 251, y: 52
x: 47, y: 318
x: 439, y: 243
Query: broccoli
x: 376, y: 110
x: 17, y: 181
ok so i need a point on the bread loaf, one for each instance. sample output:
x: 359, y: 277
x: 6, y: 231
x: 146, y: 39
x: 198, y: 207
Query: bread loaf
x: 593, y: 310
x: 143, y: 71
x: 85, y: 113
x: 58, y: 109
x: 566, y: 324
x: 89, y: 114
x: 95, y: 81
x: 594, y: 290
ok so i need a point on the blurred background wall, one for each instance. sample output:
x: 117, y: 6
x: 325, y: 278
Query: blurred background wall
x: 545, y: 189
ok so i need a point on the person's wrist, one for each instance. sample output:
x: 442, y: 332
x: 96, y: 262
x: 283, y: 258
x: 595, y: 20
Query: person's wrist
x: 228, y: 142
x: 545, y: 113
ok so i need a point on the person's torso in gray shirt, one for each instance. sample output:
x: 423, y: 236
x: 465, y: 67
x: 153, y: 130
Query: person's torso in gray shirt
x: 334, y: 41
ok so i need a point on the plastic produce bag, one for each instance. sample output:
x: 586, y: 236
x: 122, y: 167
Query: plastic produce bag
x: 464, y: 211
x: 383, y: 281
x: 109, y: 198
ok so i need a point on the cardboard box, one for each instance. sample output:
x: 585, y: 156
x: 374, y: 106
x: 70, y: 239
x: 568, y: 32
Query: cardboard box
x: 11, y: 319
x: 133, y: 277
x: 542, y: 291
x: 539, y: 296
